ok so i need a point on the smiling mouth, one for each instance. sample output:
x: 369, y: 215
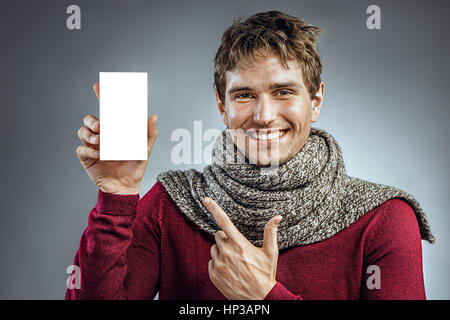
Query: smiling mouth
x: 267, y: 134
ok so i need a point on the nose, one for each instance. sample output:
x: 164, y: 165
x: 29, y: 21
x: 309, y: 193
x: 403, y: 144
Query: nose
x: 265, y: 111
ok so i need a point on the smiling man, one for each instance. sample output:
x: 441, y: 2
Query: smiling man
x: 284, y: 223
x: 270, y: 103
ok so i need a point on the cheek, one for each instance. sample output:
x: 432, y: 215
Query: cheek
x: 237, y: 116
x: 296, y: 113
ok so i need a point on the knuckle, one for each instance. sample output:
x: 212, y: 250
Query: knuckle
x: 212, y: 275
x: 224, y: 253
x: 86, y: 119
x: 87, y: 135
x: 219, y: 266
x: 271, y: 232
x: 213, y: 250
x: 93, y: 138
x: 90, y: 121
x: 220, y: 220
x: 240, y: 248
x: 84, y: 133
x: 80, y: 132
x: 221, y: 234
x: 93, y: 153
x: 218, y: 236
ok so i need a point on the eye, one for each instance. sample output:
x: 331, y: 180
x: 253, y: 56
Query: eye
x: 283, y: 92
x: 244, y: 96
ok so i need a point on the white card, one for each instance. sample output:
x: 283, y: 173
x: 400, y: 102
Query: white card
x: 123, y: 115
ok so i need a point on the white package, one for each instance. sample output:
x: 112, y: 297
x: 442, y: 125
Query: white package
x: 123, y: 115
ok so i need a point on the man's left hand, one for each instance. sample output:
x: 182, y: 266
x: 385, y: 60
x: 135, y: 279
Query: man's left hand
x: 238, y: 269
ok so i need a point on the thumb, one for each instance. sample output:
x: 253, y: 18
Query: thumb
x: 270, y: 234
x: 152, y: 132
x: 97, y: 90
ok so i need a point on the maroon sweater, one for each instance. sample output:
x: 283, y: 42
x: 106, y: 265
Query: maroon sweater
x: 134, y: 248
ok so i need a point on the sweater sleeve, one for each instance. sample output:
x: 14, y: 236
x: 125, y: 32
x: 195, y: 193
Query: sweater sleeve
x: 118, y: 255
x: 280, y: 292
x: 393, y: 255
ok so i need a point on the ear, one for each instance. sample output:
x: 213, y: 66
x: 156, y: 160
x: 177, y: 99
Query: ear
x: 221, y: 107
x: 317, y: 102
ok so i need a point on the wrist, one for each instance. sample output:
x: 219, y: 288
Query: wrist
x: 267, y: 288
x: 121, y: 190
x: 126, y: 192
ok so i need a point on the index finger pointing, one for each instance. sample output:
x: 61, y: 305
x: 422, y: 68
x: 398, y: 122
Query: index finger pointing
x: 221, y: 218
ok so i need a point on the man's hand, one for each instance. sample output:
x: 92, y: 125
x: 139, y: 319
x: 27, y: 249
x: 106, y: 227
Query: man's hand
x: 120, y: 177
x: 237, y: 268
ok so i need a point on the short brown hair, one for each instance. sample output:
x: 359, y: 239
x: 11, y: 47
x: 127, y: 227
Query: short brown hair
x: 271, y: 31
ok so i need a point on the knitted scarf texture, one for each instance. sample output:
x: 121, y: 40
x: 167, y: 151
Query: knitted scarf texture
x: 311, y: 191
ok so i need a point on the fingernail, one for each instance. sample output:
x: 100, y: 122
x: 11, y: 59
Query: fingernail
x: 96, y: 154
x: 93, y: 139
x: 206, y: 200
x: 278, y: 221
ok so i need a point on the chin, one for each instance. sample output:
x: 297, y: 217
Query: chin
x: 267, y: 163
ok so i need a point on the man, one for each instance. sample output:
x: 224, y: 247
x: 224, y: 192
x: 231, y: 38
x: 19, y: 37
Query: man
x: 301, y: 229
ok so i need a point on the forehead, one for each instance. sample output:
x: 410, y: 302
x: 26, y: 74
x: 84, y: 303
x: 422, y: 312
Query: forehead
x: 263, y: 71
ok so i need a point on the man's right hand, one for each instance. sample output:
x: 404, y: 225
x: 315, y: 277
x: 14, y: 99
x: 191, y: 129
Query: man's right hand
x: 119, y: 177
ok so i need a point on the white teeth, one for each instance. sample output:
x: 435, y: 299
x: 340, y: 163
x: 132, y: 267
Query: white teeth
x: 265, y: 137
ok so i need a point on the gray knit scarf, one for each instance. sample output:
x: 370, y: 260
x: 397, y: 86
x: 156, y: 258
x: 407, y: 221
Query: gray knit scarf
x: 311, y: 191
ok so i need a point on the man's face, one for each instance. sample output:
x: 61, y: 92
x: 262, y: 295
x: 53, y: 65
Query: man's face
x: 272, y: 107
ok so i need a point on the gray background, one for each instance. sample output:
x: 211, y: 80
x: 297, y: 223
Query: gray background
x: 386, y: 104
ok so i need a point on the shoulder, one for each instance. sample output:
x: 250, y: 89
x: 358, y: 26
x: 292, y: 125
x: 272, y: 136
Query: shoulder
x: 155, y: 203
x: 396, y: 214
x: 159, y: 209
x: 394, y: 223
x: 157, y: 195
x: 154, y: 195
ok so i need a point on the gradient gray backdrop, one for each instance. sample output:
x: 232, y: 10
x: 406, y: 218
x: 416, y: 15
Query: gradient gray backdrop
x: 386, y: 103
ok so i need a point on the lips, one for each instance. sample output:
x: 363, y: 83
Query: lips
x: 266, y: 134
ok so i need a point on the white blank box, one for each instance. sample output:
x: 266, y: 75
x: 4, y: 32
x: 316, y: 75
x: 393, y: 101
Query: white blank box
x: 123, y: 115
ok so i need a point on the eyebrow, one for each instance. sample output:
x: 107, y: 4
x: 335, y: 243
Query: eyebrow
x: 285, y: 85
x: 273, y: 86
